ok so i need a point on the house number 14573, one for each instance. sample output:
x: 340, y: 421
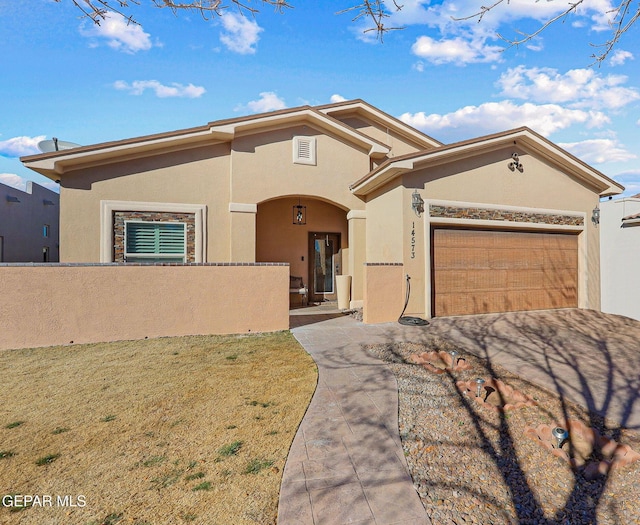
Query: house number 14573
x: 413, y: 240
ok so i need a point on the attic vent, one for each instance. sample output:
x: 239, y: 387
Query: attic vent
x: 304, y: 150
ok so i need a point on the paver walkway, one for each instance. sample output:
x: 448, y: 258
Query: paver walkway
x: 346, y: 463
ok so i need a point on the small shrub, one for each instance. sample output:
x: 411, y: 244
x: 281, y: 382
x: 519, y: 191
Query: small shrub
x: 197, y: 475
x: 108, y: 418
x: 46, y: 460
x: 60, y: 430
x: 153, y: 461
x: 111, y: 519
x: 231, y: 449
x: 6, y: 454
x: 256, y: 465
x: 205, y: 485
x: 14, y: 424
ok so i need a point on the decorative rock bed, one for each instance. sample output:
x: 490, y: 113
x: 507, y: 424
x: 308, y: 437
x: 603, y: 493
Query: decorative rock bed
x: 440, y: 362
x: 495, y: 394
x: 584, y: 447
x: 475, y: 466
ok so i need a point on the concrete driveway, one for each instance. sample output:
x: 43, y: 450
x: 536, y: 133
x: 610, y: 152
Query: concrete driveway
x: 589, y: 357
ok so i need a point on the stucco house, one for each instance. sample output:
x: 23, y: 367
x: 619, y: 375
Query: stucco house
x: 498, y: 223
x: 619, y: 254
x: 28, y: 224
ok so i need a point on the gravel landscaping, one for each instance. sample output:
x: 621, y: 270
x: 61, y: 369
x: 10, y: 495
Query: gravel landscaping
x: 472, y: 464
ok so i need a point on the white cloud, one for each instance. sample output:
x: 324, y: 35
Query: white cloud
x: 20, y: 146
x: 491, y: 117
x: 119, y: 33
x: 13, y: 180
x: 138, y: 87
x: 598, y: 151
x: 620, y: 57
x: 268, y: 101
x: 241, y: 34
x: 466, y: 41
x: 579, y: 88
x: 337, y: 98
x: 456, y: 50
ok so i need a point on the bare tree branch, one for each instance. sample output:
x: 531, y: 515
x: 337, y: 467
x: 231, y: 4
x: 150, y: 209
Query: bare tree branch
x: 623, y: 18
x: 98, y: 10
x: 376, y: 11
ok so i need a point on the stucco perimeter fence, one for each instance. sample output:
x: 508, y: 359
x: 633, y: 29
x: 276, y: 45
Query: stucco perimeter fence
x: 52, y: 304
x: 383, y: 294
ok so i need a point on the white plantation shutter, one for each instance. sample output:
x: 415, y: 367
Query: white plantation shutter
x: 304, y: 150
x: 149, y: 241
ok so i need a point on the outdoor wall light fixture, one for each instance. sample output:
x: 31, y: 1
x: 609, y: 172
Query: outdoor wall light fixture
x: 595, y: 216
x: 417, y: 203
x: 515, y: 163
x: 299, y: 214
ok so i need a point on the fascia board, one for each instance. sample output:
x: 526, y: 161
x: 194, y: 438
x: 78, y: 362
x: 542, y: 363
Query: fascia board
x: 525, y: 139
x: 382, y: 118
x: 312, y: 117
x: 382, y: 177
x: 571, y: 165
x: 68, y: 160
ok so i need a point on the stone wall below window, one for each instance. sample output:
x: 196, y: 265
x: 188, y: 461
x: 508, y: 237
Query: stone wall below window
x: 119, y: 218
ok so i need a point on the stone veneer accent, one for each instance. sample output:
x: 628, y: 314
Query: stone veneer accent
x: 119, y: 218
x: 488, y: 214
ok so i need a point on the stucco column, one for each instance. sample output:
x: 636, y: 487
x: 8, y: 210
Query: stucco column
x: 357, y: 254
x: 242, y: 232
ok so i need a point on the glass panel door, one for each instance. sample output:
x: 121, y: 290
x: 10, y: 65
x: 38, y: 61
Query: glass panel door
x: 325, y: 264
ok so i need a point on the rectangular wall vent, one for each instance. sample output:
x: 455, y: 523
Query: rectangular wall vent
x: 304, y: 150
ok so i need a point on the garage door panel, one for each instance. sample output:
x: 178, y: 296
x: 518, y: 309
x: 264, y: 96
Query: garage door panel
x: 511, y: 258
x: 461, y: 258
x: 561, y: 259
x: 485, y: 280
x: 525, y: 279
x: 476, y: 271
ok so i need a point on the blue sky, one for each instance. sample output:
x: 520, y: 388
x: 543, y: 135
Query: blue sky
x: 65, y: 77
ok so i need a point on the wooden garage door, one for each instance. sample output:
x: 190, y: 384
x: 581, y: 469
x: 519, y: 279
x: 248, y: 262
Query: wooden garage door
x: 476, y: 271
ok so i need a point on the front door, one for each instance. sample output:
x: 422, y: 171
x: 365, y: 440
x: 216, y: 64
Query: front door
x: 325, y: 260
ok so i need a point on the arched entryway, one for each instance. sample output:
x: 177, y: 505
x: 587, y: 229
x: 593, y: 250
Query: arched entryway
x: 314, y: 244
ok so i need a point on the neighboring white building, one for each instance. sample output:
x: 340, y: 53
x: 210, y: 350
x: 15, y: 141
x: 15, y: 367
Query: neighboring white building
x: 619, y: 256
x: 29, y: 224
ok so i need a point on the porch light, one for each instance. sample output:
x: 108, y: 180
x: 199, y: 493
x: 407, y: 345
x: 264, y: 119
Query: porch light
x: 299, y: 214
x: 595, y: 216
x: 417, y: 203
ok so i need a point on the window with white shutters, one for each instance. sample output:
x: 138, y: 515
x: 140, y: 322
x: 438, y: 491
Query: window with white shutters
x: 155, y: 242
x: 304, y: 150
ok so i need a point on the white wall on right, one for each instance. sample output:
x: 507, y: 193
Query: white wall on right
x: 620, y: 256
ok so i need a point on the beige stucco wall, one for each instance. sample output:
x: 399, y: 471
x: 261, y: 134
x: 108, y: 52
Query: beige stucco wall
x: 484, y: 179
x: 383, y: 293
x: 51, y: 305
x: 195, y: 176
x: 263, y: 168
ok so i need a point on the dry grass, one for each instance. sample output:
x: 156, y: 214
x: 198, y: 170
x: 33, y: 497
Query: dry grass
x: 171, y: 430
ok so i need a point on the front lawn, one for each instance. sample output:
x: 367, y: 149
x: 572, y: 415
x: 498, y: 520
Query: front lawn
x: 170, y: 430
